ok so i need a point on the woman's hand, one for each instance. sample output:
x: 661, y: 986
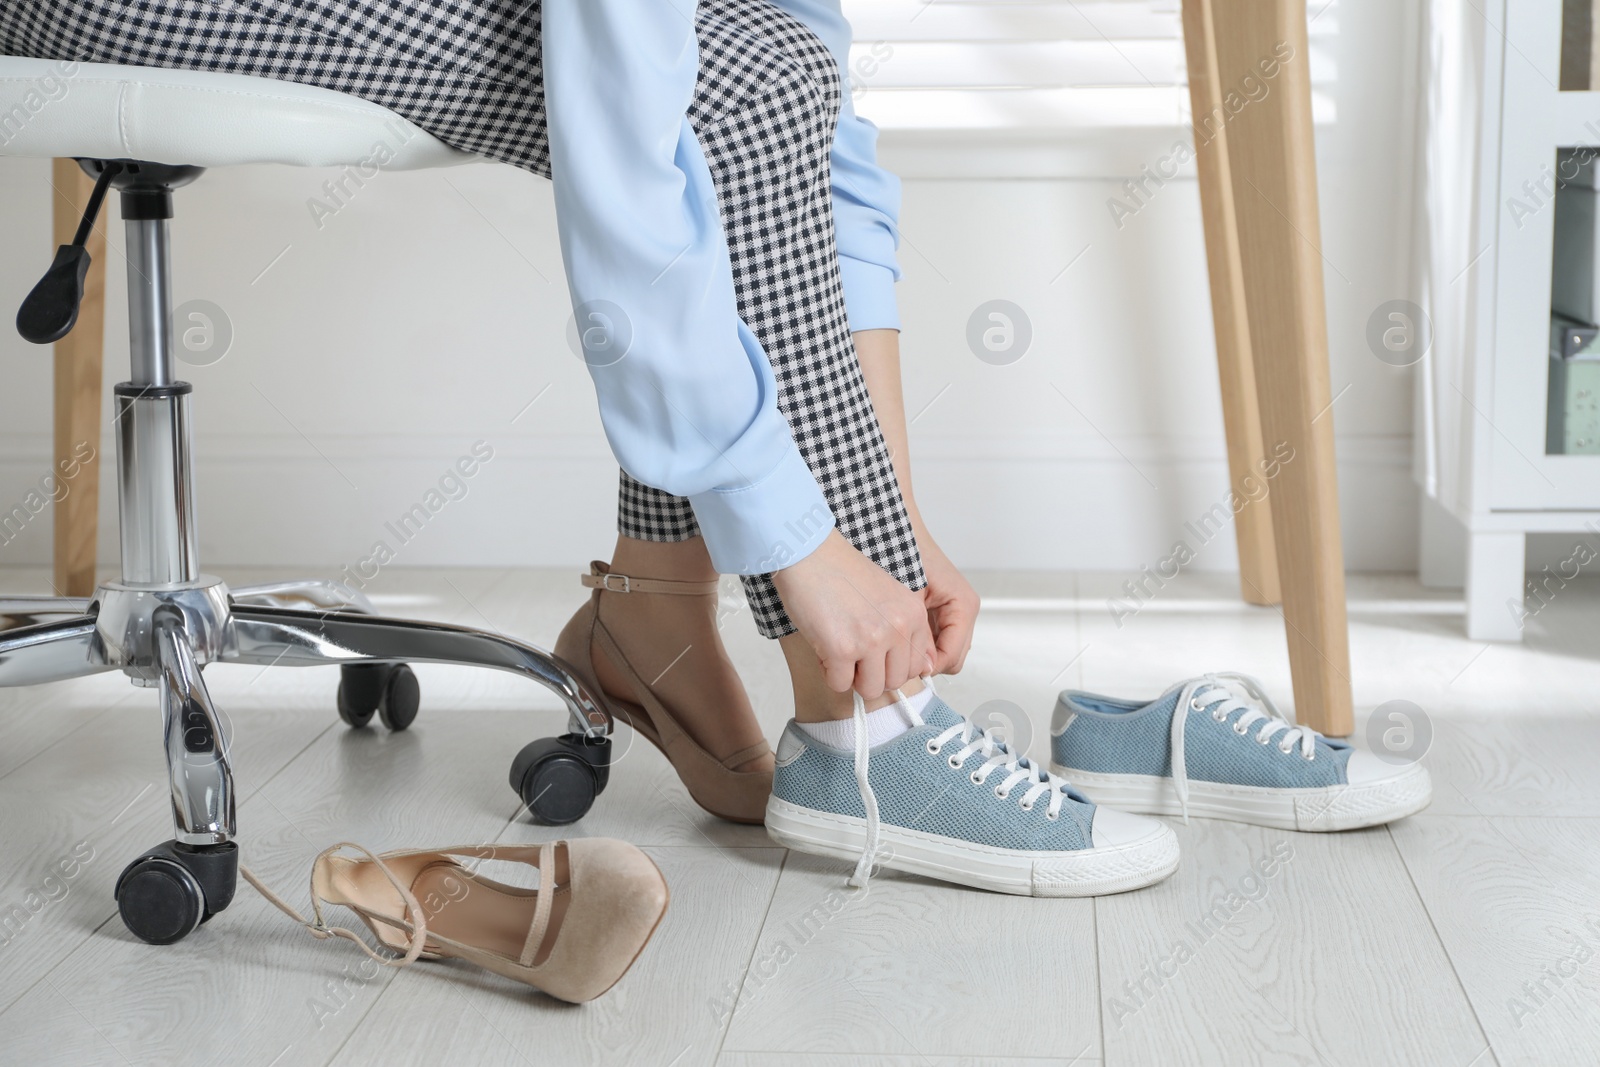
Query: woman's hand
x: 871, y: 633
x: 951, y: 603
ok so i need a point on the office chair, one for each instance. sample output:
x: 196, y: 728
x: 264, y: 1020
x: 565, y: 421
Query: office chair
x: 146, y: 132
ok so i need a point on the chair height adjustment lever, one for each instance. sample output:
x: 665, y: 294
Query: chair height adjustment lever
x: 50, y: 311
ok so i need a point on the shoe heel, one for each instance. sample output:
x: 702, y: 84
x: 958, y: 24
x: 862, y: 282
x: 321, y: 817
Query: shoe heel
x: 736, y: 796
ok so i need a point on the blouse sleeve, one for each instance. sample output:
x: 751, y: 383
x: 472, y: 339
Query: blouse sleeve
x: 686, y: 394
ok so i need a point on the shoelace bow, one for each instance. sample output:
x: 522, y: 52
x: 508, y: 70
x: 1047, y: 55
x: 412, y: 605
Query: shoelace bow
x: 1231, y: 692
x: 997, y: 756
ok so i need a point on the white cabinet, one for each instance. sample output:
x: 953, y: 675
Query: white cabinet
x: 1494, y: 121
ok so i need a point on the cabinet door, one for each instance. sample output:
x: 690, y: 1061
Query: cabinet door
x: 1539, y: 119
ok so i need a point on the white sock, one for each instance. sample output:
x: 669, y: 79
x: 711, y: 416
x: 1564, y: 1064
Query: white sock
x: 885, y: 724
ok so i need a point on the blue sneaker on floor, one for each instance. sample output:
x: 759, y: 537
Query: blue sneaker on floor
x: 949, y: 801
x: 1217, y: 746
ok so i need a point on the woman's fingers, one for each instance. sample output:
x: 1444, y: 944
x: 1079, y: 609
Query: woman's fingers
x: 869, y: 675
x: 952, y: 605
x: 897, y: 667
x: 954, y: 638
x: 839, y: 672
x: 925, y: 649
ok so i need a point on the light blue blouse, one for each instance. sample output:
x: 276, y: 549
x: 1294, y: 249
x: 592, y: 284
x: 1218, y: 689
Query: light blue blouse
x: 687, y: 396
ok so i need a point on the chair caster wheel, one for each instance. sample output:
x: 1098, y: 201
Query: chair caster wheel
x: 388, y: 689
x: 165, y: 894
x: 401, y: 698
x: 559, y: 777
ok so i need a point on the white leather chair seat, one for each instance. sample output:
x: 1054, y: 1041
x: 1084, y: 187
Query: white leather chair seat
x: 110, y: 111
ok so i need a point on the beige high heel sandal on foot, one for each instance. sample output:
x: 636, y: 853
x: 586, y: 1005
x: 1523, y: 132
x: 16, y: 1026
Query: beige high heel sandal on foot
x: 597, y: 904
x: 738, y: 796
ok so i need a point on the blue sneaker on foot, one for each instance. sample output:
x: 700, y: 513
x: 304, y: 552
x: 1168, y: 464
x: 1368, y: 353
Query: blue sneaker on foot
x: 949, y: 801
x: 1217, y: 746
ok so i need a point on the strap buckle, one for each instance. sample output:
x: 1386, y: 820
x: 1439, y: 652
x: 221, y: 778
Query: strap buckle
x: 605, y: 583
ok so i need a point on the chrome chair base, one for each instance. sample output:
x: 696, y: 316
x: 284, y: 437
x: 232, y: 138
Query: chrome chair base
x: 160, y: 638
x: 164, y: 621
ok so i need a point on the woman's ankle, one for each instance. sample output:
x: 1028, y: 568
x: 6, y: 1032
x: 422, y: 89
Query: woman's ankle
x: 672, y: 644
x: 842, y: 705
x: 681, y: 561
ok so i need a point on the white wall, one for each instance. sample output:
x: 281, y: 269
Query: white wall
x: 427, y: 314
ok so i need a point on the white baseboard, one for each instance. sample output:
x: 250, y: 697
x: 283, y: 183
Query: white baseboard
x: 1058, y: 502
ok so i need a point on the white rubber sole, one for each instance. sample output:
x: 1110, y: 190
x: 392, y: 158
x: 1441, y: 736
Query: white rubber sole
x: 1327, y: 808
x: 1085, y: 873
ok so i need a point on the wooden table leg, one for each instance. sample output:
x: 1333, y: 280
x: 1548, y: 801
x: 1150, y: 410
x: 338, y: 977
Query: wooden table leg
x: 1241, y: 414
x: 78, y: 359
x: 1263, y: 69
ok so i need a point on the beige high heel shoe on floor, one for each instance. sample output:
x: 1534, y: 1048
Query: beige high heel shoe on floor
x: 597, y: 903
x: 738, y: 796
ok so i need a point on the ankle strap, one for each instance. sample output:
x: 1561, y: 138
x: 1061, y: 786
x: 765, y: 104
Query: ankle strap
x: 416, y: 934
x: 601, y: 576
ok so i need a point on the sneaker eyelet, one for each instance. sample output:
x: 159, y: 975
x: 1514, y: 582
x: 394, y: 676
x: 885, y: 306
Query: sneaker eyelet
x: 1001, y: 793
x: 933, y: 749
x: 1218, y: 717
x: 953, y: 763
x: 1238, y: 729
x: 1052, y: 815
x: 974, y: 779
x: 1025, y: 805
x: 1287, y: 750
x: 1194, y: 702
x: 1309, y: 756
x: 1265, y: 740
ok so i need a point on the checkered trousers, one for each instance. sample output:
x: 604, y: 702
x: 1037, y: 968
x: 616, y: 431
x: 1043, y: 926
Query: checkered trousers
x: 468, y: 72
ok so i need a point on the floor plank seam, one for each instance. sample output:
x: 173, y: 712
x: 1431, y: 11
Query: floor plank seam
x: 362, y: 1018
x: 824, y: 1059
x: 1099, y: 982
x: 768, y: 847
x: 104, y: 712
x: 1433, y: 924
x: 755, y: 945
x: 87, y: 937
x: 1475, y: 817
x: 290, y: 761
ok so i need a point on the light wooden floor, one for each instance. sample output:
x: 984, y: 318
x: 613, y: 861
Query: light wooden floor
x: 1459, y: 938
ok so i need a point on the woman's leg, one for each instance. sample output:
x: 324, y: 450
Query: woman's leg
x: 764, y: 112
x: 765, y: 116
x: 674, y: 644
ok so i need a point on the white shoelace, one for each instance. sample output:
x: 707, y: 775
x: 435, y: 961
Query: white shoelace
x: 1236, y: 692
x: 997, y: 757
x: 869, y: 799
